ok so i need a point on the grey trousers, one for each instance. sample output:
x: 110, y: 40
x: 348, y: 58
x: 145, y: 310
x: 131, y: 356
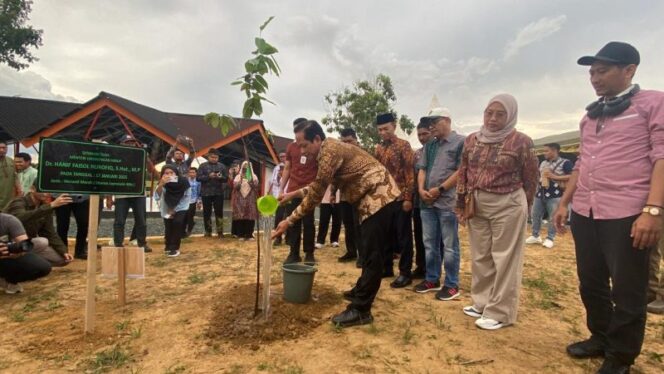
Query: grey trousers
x: 47, y: 252
x: 497, y: 239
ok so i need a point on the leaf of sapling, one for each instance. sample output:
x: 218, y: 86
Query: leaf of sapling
x: 264, y: 25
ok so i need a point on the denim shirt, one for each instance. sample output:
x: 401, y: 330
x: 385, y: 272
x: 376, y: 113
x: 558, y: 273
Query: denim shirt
x: 195, y: 187
x: 183, y: 204
x: 440, y: 159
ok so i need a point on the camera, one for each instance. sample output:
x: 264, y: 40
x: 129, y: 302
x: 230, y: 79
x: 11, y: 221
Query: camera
x: 20, y: 247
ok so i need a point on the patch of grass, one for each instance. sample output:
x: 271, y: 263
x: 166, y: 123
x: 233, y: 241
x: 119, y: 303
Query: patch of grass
x: 372, y: 329
x: 29, y: 307
x: 236, y: 369
x: 175, y: 369
x: 263, y: 366
x: 17, y: 317
x: 136, y: 332
x: 548, y: 294
x: 363, y: 354
x: 196, y: 278
x: 294, y: 370
x: 407, y: 336
x: 655, y: 357
x: 159, y: 262
x: 336, y: 328
x: 440, y: 322
x: 53, y: 305
x: 122, y: 325
x: 109, y: 359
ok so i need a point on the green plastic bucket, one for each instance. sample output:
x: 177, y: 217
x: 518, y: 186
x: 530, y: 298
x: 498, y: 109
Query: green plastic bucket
x: 298, y: 282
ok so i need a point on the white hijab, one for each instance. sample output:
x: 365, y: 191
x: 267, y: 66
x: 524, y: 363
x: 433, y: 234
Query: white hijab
x: 511, y: 107
x: 245, y: 187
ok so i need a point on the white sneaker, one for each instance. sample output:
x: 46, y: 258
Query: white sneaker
x: 10, y: 288
x: 335, y: 244
x: 472, y: 312
x: 548, y: 243
x: 488, y: 324
x: 319, y: 245
x: 534, y: 240
x: 134, y: 242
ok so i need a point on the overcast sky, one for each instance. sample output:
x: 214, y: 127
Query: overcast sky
x: 180, y: 56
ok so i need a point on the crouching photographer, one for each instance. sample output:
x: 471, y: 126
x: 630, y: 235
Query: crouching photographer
x: 35, y: 211
x: 17, y: 261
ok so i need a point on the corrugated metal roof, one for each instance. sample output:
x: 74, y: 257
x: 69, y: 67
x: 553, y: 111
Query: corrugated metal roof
x: 566, y: 138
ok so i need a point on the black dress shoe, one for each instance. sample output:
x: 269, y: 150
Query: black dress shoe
x: 587, y: 348
x: 419, y: 273
x: 401, y: 282
x: 611, y: 366
x: 347, y: 257
x: 292, y: 259
x: 352, y: 317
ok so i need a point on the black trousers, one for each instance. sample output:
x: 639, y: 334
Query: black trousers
x: 189, y: 218
x: 244, y: 228
x: 122, y: 206
x: 401, y: 241
x: 327, y: 212
x: 81, y: 213
x: 420, y: 262
x: 613, y: 279
x: 376, y: 237
x: 28, y: 267
x: 173, y: 229
x: 303, y: 230
x: 216, y: 202
x: 352, y: 228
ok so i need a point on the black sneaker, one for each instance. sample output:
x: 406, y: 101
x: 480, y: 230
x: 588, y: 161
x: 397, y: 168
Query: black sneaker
x: 292, y: 259
x: 147, y: 249
x: 352, y: 317
x: 347, y: 257
x: 448, y: 293
x: 175, y: 253
x: 427, y: 286
x: 592, y: 347
x: 309, y: 258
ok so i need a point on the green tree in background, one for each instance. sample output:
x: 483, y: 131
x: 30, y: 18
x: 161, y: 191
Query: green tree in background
x: 15, y: 36
x: 357, y: 107
x: 252, y: 83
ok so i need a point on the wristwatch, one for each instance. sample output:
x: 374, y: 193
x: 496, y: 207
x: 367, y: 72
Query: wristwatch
x: 441, y: 189
x: 653, y: 211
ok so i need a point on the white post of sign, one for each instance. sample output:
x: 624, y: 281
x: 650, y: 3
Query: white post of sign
x: 92, y: 264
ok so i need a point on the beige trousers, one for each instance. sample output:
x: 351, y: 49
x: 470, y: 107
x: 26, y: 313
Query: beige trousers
x: 655, y: 278
x: 496, y: 244
x: 41, y: 247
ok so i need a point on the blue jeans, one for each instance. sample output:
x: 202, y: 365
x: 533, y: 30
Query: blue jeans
x: 539, y: 207
x: 436, y: 223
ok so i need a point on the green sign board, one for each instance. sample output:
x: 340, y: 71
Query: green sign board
x: 91, y: 168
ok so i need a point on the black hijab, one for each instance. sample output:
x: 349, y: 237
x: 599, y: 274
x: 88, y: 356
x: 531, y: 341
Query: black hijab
x: 174, y: 191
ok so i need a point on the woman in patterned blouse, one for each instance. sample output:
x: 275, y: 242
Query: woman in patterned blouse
x: 499, y: 171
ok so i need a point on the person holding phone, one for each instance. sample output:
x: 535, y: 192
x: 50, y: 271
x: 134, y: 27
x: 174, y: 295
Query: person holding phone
x: 173, y: 194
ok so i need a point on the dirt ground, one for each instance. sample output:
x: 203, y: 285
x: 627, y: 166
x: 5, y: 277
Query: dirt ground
x: 191, y: 315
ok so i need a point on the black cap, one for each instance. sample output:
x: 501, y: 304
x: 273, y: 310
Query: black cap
x: 617, y: 53
x: 384, y: 118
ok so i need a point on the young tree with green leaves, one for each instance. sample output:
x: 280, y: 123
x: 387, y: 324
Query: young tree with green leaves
x: 357, y: 107
x: 15, y: 36
x: 253, y: 83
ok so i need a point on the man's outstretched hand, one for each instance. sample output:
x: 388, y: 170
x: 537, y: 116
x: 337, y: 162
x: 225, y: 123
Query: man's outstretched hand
x: 280, y: 230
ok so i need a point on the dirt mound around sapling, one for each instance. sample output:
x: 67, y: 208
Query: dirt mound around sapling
x: 233, y: 315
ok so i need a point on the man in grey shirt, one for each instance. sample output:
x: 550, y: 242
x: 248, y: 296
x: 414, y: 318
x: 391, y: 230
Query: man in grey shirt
x: 18, y: 267
x: 436, y: 179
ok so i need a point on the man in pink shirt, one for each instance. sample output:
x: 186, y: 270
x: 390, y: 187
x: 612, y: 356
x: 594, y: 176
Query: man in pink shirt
x: 617, y: 194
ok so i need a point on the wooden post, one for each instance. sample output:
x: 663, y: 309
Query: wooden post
x: 122, y: 276
x: 92, y: 264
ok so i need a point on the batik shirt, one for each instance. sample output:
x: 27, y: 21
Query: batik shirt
x: 498, y: 168
x: 558, y: 167
x: 362, y: 180
x: 398, y: 158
